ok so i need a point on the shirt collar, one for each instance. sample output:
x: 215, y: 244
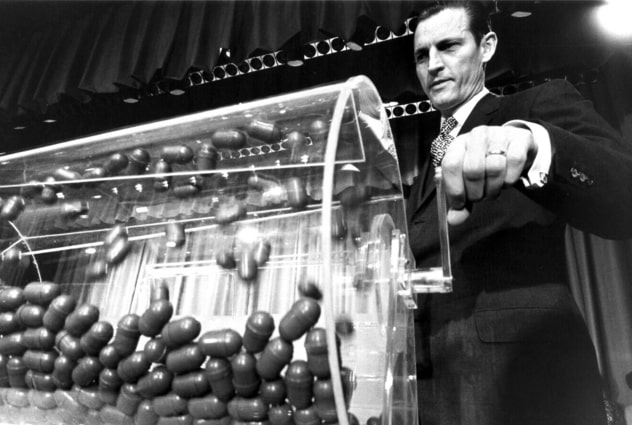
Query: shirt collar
x: 464, y: 111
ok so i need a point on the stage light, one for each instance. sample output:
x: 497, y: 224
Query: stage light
x: 323, y: 47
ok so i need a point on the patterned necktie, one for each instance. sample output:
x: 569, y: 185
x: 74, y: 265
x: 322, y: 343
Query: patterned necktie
x: 442, y: 141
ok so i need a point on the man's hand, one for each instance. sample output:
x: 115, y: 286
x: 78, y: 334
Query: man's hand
x: 477, y: 165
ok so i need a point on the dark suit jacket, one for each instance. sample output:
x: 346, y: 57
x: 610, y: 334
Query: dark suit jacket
x: 509, y: 273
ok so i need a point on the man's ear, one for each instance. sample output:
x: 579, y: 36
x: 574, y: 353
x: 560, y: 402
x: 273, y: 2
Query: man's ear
x: 488, y: 46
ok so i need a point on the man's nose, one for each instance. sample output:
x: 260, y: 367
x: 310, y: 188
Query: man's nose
x: 435, y: 62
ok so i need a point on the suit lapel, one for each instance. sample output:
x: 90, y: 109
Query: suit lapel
x: 482, y: 114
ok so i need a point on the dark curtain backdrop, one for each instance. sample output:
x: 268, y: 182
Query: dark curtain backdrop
x: 601, y: 270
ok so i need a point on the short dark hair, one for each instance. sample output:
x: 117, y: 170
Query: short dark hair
x: 477, y: 12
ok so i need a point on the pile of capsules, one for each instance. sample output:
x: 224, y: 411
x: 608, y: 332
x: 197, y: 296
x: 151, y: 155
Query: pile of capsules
x: 58, y: 357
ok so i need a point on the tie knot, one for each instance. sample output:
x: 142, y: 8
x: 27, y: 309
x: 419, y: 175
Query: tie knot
x: 447, y: 126
x: 442, y: 141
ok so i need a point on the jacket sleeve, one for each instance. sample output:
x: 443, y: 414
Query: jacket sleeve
x: 590, y: 180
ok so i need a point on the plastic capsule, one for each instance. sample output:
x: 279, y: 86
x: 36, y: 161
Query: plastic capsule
x: 259, y: 328
x: 310, y: 289
x: 155, y: 383
x: 228, y: 139
x: 281, y: 415
x: 80, y: 320
x: 133, y: 367
x: 318, y: 130
x: 117, y: 252
x: 16, y: 369
x: 163, y: 182
x: 70, y: 210
x: 42, y: 400
x: 87, y: 371
x: 13, y: 256
x: 220, y: 343
x: 57, y: 312
x: 128, y: 400
x: 276, y: 355
x: 109, y: 357
x: 296, y: 193
x: 185, y: 359
x: 138, y: 161
x: 180, y: 332
x: 206, y: 158
x: 181, y: 154
x: 68, y: 345
x: 306, y: 416
x: 11, y: 298
x: 145, y: 414
x: 273, y: 392
x: 62, y: 372
x: 298, y: 383
x: 174, y: 234
x: 228, y: 212
x: 219, y: 374
x: 117, y: 232
x: 247, y: 268
x: 303, y: 315
x: 159, y: 291
x: 186, y: 190
x: 17, y: 397
x: 127, y: 334
x: 116, y: 163
x: 246, y: 381
x: 156, y: 350
x: 64, y: 174
x: 4, y: 376
x: 316, y: 348
x: 109, y: 381
x: 95, y: 174
x: 344, y: 325
x: 39, y: 381
x: 347, y: 378
x: 12, y: 344
x: 9, y: 323
x: 226, y: 259
x: 374, y: 420
x: 155, y: 317
x: 111, y: 415
x: 50, y: 190
x: 208, y: 407
x: 192, y: 384
x: 96, y: 270
x: 338, y: 224
x: 96, y: 338
x: 170, y: 405
x: 30, y: 315
x: 261, y: 252
x: 296, y: 140
x: 268, y: 132
x: 247, y: 409
x: 40, y: 361
x: 89, y: 397
x: 324, y: 401
x: 12, y: 208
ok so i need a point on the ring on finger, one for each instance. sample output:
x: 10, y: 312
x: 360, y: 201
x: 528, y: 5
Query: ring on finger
x: 496, y: 152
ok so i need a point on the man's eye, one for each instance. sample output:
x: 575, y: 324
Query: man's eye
x: 421, y: 58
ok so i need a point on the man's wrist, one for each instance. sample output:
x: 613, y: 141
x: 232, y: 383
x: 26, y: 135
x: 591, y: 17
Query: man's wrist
x: 537, y: 172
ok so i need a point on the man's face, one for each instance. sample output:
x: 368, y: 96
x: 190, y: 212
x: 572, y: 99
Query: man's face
x: 449, y: 62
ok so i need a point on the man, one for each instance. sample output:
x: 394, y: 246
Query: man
x: 509, y: 345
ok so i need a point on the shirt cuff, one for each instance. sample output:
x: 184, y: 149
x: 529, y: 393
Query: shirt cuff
x: 538, y: 174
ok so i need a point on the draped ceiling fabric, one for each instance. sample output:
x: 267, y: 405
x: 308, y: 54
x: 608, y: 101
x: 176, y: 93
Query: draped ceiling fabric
x: 124, y: 43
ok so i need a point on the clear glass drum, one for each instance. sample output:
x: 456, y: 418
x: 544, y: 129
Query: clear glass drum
x: 197, y: 269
